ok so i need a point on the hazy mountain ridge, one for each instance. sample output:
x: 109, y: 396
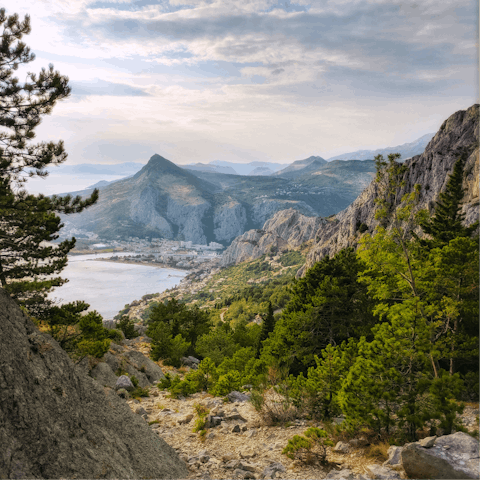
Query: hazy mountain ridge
x: 430, y: 169
x: 406, y: 150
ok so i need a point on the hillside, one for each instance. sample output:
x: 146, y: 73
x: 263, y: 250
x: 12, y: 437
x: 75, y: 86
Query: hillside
x: 300, y: 167
x: 165, y: 200
x: 430, y: 170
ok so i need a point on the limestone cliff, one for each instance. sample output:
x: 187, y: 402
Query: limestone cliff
x: 287, y: 229
x: 431, y: 170
x: 56, y: 422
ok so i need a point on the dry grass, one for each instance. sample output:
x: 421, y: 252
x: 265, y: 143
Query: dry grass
x: 378, y: 452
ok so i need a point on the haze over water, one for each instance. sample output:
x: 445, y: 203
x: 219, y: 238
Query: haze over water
x: 108, y: 286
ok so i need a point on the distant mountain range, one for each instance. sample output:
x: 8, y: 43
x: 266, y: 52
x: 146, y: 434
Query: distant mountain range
x: 407, y: 150
x: 164, y: 200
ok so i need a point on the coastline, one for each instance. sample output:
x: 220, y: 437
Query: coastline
x: 146, y: 264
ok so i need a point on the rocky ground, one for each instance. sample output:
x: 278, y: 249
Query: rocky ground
x: 241, y: 445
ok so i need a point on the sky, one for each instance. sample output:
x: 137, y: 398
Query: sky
x: 246, y: 80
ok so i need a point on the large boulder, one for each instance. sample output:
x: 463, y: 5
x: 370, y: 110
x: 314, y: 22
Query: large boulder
x: 451, y: 456
x: 104, y: 375
x: 145, y: 365
x: 57, y: 422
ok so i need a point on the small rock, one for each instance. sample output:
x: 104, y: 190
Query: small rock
x: 246, y: 466
x: 341, y: 447
x: 251, y: 433
x: 243, y: 474
x: 141, y: 411
x: 427, y: 442
x: 394, y: 457
x: 232, y: 464
x: 238, y: 397
x: 227, y: 458
x: 247, y: 453
x: 124, y: 382
x: 236, y: 429
x: 343, y: 474
x: 272, y: 469
x: 185, y: 419
x: 381, y: 473
x: 244, y: 428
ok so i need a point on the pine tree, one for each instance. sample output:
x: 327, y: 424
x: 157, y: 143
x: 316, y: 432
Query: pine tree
x: 28, y: 223
x: 447, y: 222
x: 268, y: 325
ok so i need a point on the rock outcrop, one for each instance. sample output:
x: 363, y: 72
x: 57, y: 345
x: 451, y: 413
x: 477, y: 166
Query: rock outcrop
x: 286, y: 230
x: 451, y: 456
x: 431, y: 170
x: 56, y: 422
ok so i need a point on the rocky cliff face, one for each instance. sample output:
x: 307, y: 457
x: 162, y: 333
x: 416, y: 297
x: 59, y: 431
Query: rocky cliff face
x: 430, y: 169
x: 56, y: 422
x: 287, y: 229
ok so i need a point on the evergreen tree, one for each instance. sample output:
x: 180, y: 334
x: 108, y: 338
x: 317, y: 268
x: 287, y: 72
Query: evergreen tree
x: 29, y: 222
x: 268, y: 325
x: 447, y: 221
x: 327, y: 306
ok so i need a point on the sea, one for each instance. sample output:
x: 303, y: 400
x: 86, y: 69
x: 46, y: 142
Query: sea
x: 108, y: 286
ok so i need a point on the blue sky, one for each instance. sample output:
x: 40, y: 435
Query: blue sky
x: 245, y: 80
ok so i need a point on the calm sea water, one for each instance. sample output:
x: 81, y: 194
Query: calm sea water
x: 108, y: 286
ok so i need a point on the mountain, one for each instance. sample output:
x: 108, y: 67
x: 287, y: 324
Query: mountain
x: 57, y: 422
x: 430, y: 170
x: 165, y: 200
x: 202, y: 167
x: 301, y: 167
x: 406, y: 150
x: 261, y: 171
x: 128, y: 168
x: 247, y: 168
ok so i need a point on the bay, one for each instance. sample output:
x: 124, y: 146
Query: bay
x: 108, y: 286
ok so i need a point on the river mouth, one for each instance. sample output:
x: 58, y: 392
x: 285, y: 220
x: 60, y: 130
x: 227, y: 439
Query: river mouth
x: 109, y: 286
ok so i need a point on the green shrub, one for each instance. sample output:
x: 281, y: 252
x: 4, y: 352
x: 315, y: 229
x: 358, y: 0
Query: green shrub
x: 314, y: 442
x: 127, y: 326
x: 115, y: 335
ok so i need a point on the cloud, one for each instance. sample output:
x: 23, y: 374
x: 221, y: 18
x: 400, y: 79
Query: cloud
x: 102, y: 87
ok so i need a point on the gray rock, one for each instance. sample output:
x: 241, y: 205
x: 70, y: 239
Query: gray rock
x: 111, y: 360
x: 452, y: 456
x: 243, y: 474
x: 141, y: 411
x: 287, y: 229
x: 238, y: 397
x: 380, y: 472
x: 124, y: 382
x: 144, y: 365
x: 104, y: 375
x: 342, y: 447
x: 272, y: 469
x: 236, y: 429
x: 57, y: 422
x: 394, y: 457
x: 343, y: 474
x: 427, y: 442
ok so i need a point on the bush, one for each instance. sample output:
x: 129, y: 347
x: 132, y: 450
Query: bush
x: 115, y: 335
x: 314, y: 442
x: 127, y: 327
